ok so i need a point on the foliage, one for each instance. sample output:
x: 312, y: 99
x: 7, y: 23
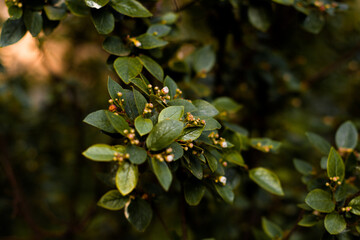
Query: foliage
x: 180, y: 141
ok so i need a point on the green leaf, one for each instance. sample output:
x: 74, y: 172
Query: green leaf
x: 140, y: 101
x: 163, y: 134
x: 355, y: 205
x: 55, y: 13
x: 153, y: 67
x: 15, y: 12
x: 234, y: 157
x: 130, y: 104
x: 212, y: 161
x: 169, y: 18
x: 149, y: 41
x: 97, y: 4
x: 33, y: 22
x: 320, y: 200
x: 308, y: 220
x: 226, y: 104
x: 130, y: 8
x: 204, y: 108
x: 210, y: 123
x: 303, y: 167
x: 259, y: 17
x: 114, y: 88
x: 346, y: 136
x: 284, y: 2
x: 225, y: 192
x: 170, y: 83
x: 139, y: 213
x: 118, y: 122
x: 114, y: 45
x: 140, y: 83
x: 319, y: 142
x: 159, y: 30
x: 172, y: 112
x: 100, y: 120
x: 314, y: 22
x: 77, y: 7
x: 113, y: 200
x: 204, y: 59
x: 334, y: 223
x: 193, y: 164
x: 143, y: 125
x: 271, y: 229
x: 127, y: 68
x: 188, y: 106
x: 126, y: 178
x: 193, y: 191
x: 335, y: 165
x: 102, y: 152
x: 104, y: 21
x: 265, y: 144
x: 12, y: 31
x: 267, y: 180
x: 177, y: 150
x: 137, y: 154
x: 191, y: 133
x: 162, y: 173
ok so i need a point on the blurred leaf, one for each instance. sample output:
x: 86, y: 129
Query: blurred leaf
x: 33, y: 22
x: 204, y: 108
x: 159, y: 30
x: 153, y: 67
x: 188, y: 106
x: 96, y: 3
x: 162, y: 173
x: 308, y: 220
x: 355, y: 205
x: 163, y: 134
x: 130, y: 8
x: 334, y: 223
x: 77, y: 7
x: 143, y: 125
x: 225, y: 192
x: 113, y: 200
x: 318, y: 142
x: 139, y: 213
x: 127, y: 68
x: 193, y: 191
x: 15, y: 12
x: 320, y: 200
x: 126, y: 178
x: 346, y: 136
x: 137, y: 154
x: 271, y: 229
x: 234, y: 157
x: 114, y: 45
x: 267, y: 180
x: 265, y: 144
x: 335, y: 165
x: 259, y: 17
x: 100, y: 120
x: 55, y: 13
x: 104, y: 22
x: 314, y: 22
x: 101, y: 152
x: 150, y: 42
x: 303, y: 167
x: 172, y: 112
x: 225, y: 104
x: 169, y: 18
x: 284, y: 2
x: 204, y: 59
x: 12, y: 31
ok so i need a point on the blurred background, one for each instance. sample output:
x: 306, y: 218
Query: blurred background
x: 288, y: 80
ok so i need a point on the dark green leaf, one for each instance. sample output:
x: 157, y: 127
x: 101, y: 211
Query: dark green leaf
x: 100, y: 120
x: 271, y: 229
x: 96, y: 3
x: 162, y: 172
x: 118, y: 122
x: 113, y: 200
x: 210, y: 123
x: 225, y: 192
x: 77, y: 7
x: 130, y: 106
x: 172, y: 112
x: 114, y: 88
x: 334, y: 223
x: 139, y: 213
x: 33, y: 22
x: 193, y: 164
x: 308, y: 221
x: 149, y: 41
x: 204, y: 59
x: 225, y: 104
x: 177, y: 150
x: 346, y: 136
x: 137, y: 154
x: 303, y: 167
x: 143, y: 125
x: 170, y: 83
x: 193, y: 191
x: 267, y: 180
x: 159, y: 30
x: 320, y: 143
x: 320, y: 200
x: 55, y: 13
x: 314, y: 22
x: 127, y: 68
x: 104, y: 21
x: 212, y: 161
x: 191, y: 133
x: 188, y: 106
x: 140, y: 83
x: 140, y: 101
x: 355, y: 205
x: 102, y: 152
x: 259, y: 17
x: 115, y: 45
x: 204, y: 108
x: 234, y: 157
x: 335, y: 165
x: 284, y: 2
x: 15, y: 12
x: 265, y: 144
x: 126, y: 178
x: 163, y: 134
x: 12, y: 31
x: 130, y: 8
x: 153, y: 67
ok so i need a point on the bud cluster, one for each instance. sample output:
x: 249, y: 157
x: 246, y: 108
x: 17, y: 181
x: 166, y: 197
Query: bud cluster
x: 324, y: 6
x: 119, y: 101
x: 334, y: 183
x: 217, y: 140
x: 148, y: 108
x: 15, y: 2
x: 266, y: 148
x: 120, y: 157
x: 194, y: 122
x: 130, y: 135
x: 165, y: 156
x: 221, y: 179
x: 178, y: 93
x: 346, y: 209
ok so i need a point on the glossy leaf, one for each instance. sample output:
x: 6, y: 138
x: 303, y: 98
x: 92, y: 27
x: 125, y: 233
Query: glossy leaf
x: 118, y: 122
x: 303, y: 167
x: 113, y: 200
x: 234, y: 157
x: 140, y: 83
x: 204, y: 108
x: 148, y: 41
x: 137, y: 154
x: 320, y: 200
x: 172, y: 112
x: 139, y: 213
x: 162, y: 173
x: 163, y: 134
x: 335, y: 165
x: 12, y: 31
x: 346, y: 136
x: 191, y: 133
x: 204, y: 59
x: 33, y: 22
x: 126, y: 178
x: 259, y: 18
x: 320, y: 143
x: 77, y: 7
x: 55, y: 13
x: 97, y: 4
x: 159, y: 30
x: 267, y: 180
x: 334, y: 223
x: 114, y: 88
x: 210, y: 123
x: 271, y: 229
x: 188, y: 106
x: 212, y: 161
x: 193, y: 164
x: 104, y: 21
x: 101, y: 152
x: 225, y: 192
x: 100, y: 120
x: 115, y: 46
x: 355, y: 205
x: 177, y: 150
x: 143, y: 125
x: 194, y: 190
x: 170, y: 83
x: 308, y: 221
x: 130, y: 104
x: 131, y: 8
x: 153, y: 67
x: 127, y: 68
